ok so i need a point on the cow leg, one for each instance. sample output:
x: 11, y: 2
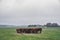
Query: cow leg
x: 40, y: 31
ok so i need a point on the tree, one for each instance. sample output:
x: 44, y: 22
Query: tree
x: 32, y: 25
x: 48, y: 24
x: 52, y: 25
x: 55, y: 25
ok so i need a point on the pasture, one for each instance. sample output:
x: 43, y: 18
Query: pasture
x: 52, y: 33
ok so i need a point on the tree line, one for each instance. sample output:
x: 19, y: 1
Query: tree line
x: 47, y: 25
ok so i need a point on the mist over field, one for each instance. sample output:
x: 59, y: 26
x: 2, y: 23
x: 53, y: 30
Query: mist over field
x: 29, y: 19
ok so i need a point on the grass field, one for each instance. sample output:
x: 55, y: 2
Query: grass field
x: 47, y: 34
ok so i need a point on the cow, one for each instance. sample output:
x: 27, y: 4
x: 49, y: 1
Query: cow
x: 29, y: 30
x: 36, y: 30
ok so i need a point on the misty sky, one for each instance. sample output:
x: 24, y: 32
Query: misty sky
x: 23, y: 12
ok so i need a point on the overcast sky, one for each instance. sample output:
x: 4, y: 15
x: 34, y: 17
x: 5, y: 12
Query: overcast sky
x: 23, y: 12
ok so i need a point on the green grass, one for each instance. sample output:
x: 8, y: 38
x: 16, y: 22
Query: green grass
x: 47, y: 34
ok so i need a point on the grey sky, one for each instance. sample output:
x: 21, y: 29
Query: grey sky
x: 23, y: 12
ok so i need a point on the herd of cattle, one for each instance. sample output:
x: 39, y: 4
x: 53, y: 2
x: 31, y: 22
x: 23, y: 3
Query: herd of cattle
x: 29, y: 30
